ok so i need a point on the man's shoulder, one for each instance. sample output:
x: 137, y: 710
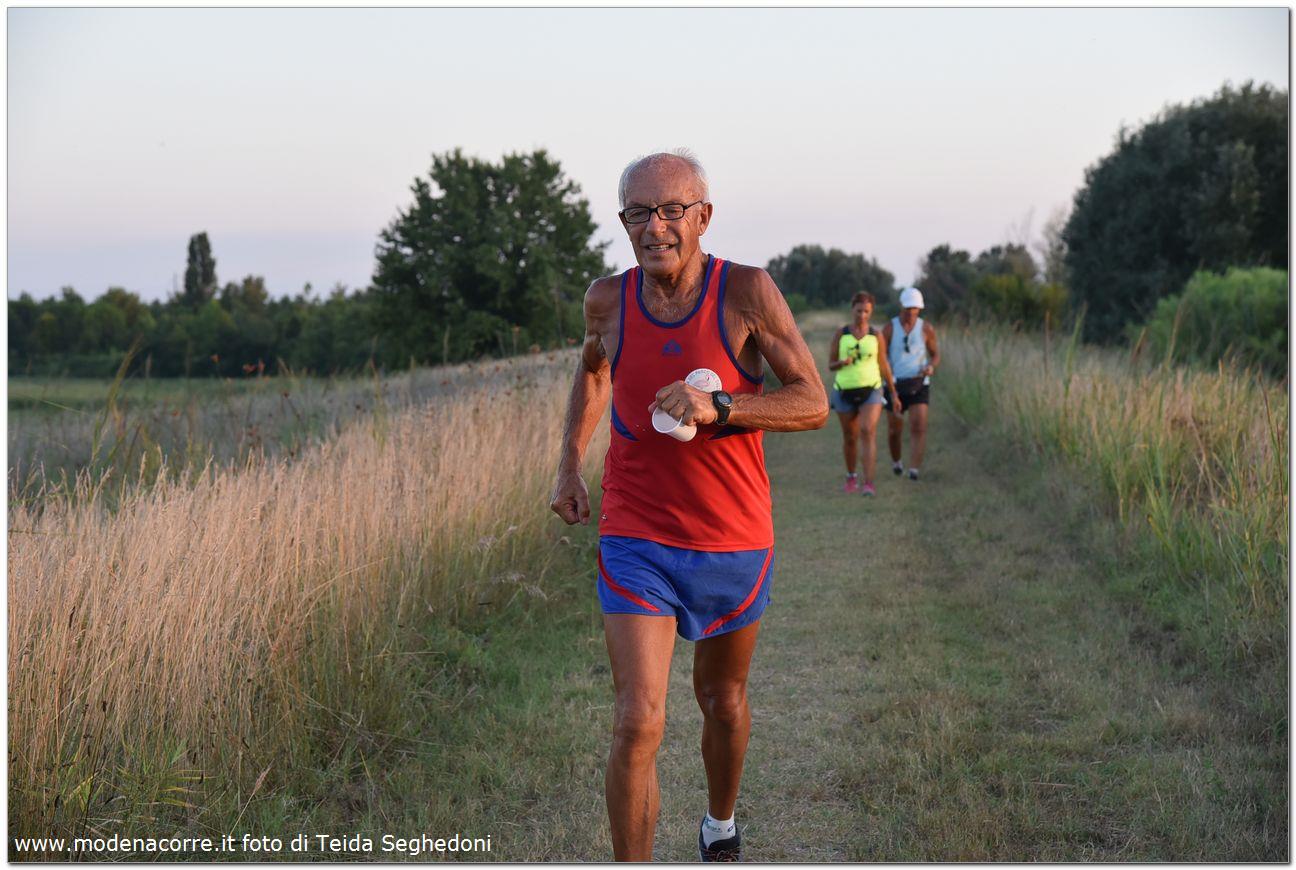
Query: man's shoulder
x: 750, y: 284
x: 603, y: 294
x: 740, y: 273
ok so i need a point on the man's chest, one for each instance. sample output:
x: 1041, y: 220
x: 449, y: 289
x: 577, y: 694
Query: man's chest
x: 737, y: 331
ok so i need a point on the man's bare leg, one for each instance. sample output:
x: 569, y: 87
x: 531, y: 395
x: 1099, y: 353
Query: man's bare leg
x: 720, y: 667
x: 917, y: 434
x: 640, y: 649
x: 895, y: 428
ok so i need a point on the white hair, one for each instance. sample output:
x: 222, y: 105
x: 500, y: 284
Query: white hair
x: 684, y: 154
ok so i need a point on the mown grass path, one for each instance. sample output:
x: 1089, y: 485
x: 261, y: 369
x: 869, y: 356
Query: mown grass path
x: 941, y: 676
x: 946, y: 671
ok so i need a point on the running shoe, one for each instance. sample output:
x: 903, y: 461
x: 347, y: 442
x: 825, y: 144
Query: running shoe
x: 913, y: 474
x: 869, y: 490
x: 728, y: 850
x: 897, y: 468
x: 852, y: 484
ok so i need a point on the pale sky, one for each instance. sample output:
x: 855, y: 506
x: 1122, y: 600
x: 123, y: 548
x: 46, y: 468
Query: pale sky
x: 292, y: 135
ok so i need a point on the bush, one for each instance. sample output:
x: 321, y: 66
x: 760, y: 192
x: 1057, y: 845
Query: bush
x: 1241, y: 314
x: 1201, y: 186
x: 1013, y: 299
x: 828, y: 279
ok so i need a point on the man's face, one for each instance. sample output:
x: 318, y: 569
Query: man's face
x: 663, y: 247
x: 909, y: 315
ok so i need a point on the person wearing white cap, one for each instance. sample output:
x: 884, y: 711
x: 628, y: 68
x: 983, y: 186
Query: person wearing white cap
x: 914, y: 355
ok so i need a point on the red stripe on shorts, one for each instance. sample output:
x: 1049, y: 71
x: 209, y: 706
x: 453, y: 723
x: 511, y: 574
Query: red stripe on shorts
x: 751, y: 596
x: 621, y: 590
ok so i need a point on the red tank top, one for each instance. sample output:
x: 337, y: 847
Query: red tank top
x: 710, y: 493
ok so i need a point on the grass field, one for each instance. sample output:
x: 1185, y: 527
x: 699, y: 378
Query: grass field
x: 977, y: 666
x: 203, y: 638
x: 1192, y: 463
x: 61, y: 427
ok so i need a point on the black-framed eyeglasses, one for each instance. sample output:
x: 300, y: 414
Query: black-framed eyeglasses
x: 667, y: 211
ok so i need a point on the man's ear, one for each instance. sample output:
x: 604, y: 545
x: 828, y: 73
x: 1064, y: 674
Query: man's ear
x: 704, y: 218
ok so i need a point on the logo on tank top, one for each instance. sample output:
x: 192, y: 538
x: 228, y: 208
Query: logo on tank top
x: 672, y: 348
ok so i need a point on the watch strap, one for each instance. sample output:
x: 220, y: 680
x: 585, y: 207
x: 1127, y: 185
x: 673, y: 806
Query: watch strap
x: 722, y: 408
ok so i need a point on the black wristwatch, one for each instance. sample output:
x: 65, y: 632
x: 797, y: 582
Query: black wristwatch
x: 723, y: 404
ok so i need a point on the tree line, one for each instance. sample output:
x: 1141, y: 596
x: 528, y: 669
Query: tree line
x: 494, y: 258
x: 488, y: 259
x: 1177, y: 241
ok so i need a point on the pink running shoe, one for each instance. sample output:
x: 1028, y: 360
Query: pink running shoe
x: 869, y: 490
x: 852, y: 484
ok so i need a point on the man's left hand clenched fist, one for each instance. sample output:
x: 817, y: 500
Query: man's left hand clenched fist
x: 689, y: 405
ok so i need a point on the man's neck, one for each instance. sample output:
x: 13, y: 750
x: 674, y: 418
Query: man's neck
x: 680, y: 285
x: 908, y: 324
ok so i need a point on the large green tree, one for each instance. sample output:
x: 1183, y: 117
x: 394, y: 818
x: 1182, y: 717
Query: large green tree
x: 1202, y: 186
x: 829, y: 278
x: 946, y: 278
x: 486, y: 256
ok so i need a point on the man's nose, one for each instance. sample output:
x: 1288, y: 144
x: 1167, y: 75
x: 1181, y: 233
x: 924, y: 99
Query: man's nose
x: 655, y: 222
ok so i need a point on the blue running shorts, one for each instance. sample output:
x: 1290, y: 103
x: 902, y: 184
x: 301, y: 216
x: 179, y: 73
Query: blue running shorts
x: 709, y: 594
x: 850, y: 401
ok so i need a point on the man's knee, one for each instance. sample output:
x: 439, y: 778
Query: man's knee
x: 918, y: 426
x: 725, y: 705
x: 638, y: 727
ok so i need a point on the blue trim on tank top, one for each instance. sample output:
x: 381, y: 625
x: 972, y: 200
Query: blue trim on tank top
x: 727, y: 431
x: 724, y: 336
x: 621, y: 326
x: 620, y: 426
x: 706, y: 279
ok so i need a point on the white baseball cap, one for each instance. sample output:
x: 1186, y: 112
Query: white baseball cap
x: 911, y: 297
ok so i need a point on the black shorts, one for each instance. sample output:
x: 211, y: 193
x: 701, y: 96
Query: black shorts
x: 912, y: 392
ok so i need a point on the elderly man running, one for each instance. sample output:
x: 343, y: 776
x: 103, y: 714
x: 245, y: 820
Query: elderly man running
x: 914, y: 355
x: 686, y: 537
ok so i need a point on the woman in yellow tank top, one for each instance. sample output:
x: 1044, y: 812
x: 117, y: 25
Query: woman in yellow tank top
x: 856, y: 394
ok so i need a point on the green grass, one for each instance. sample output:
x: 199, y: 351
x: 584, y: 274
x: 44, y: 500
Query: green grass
x: 1192, y: 462
x: 495, y: 723
x: 91, y: 394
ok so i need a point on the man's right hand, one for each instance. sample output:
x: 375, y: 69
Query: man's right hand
x: 571, y: 499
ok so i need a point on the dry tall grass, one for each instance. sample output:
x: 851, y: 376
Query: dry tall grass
x: 188, y: 638
x: 59, y: 427
x: 1197, y: 458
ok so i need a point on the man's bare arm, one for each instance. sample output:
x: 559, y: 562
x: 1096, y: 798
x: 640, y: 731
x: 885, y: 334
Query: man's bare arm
x: 591, y: 387
x: 801, y: 402
x: 933, y: 350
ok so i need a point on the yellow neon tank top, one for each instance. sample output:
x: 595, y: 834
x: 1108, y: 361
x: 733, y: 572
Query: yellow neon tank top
x: 864, y: 372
